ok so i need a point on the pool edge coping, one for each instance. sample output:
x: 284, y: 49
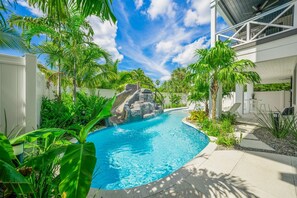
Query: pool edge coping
x: 144, y: 189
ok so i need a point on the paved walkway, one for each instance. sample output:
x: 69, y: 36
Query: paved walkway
x: 224, y: 173
x: 250, y: 141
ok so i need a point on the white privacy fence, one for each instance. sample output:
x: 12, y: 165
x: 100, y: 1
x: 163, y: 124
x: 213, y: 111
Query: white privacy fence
x: 22, y: 88
x: 18, y: 92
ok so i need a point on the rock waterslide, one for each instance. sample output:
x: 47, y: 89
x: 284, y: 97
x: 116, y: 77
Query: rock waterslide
x: 134, y: 104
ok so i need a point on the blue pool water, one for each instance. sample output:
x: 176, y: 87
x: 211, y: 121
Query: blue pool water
x: 138, y: 153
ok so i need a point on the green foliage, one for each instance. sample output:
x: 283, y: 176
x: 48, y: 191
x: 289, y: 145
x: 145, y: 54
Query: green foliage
x: 272, y: 87
x: 198, y: 116
x: 223, y: 130
x: 53, y: 168
x: 77, y: 168
x: 177, y: 82
x: 219, y: 65
x: 226, y: 139
x: 228, y: 116
x: 68, y: 115
x: 175, y: 99
x: 169, y: 106
x: 281, y: 128
x: 226, y: 126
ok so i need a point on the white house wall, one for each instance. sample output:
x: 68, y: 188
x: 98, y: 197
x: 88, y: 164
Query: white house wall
x: 276, y: 49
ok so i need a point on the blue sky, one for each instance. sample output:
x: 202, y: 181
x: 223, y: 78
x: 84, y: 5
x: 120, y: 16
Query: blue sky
x: 155, y: 35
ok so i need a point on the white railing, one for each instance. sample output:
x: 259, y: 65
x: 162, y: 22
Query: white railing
x: 254, y: 28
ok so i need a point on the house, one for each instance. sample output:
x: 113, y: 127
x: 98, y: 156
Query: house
x: 265, y: 32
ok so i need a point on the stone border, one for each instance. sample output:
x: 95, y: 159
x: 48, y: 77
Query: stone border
x: 160, y: 185
x: 178, y: 108
x: 211, y: 138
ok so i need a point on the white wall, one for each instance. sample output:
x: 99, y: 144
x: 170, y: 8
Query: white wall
x: 17, y: 92
x: 274, y: 99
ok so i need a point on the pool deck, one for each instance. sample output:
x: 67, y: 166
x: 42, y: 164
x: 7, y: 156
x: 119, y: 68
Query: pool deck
x: 222, y: 173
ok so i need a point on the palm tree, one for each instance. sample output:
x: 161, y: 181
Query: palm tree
x: 52, y: 47
x: 61, y: 9
x: 139, y: 77
x: 200, y: 92
x: 219, y: 65
x: 9, y: 38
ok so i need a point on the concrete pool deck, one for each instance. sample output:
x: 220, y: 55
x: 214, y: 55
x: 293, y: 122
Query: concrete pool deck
x: 222, y: 173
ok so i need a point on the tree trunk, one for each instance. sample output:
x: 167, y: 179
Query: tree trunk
x: 59, y: 80
x: 74, y: 82
x: 214, y: 92
x: 206, y: 107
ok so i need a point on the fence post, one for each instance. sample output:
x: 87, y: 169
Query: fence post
x: 30, y: 93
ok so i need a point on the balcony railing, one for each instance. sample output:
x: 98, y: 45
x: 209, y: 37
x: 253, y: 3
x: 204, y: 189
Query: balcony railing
x: 274, y: 21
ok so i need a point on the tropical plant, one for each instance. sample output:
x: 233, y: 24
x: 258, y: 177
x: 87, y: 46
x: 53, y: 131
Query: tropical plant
x: 9, y: 38
x: 62, y: 9
x: 229, y: 117
x: 226, y: 140
x: 57, y: 168
x: 68, y: 115
x: 175, y: 99
x: 279, y: 125
x: 218, y: 65
x: 177, y: 83
x: 198, y: 116
x: 199, y: 91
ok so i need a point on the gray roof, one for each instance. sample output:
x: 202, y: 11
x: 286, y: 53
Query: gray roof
x: 240, y: 10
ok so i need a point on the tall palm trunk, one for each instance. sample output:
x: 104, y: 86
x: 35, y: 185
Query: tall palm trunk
x: 59, y: 80
x: 74, y: 82
x: 206, y: 107
x: 214, y: 93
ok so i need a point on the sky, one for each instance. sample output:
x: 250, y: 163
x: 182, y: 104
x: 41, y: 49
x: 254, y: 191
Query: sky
x: 157, y: 36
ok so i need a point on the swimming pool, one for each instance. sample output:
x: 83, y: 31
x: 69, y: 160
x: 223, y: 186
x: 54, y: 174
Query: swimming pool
x: 138, y: 153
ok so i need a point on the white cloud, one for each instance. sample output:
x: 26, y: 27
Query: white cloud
x: 138, y: 4
x: 104, y: 36
x: 198, y: 14
x: 167, y: 47
x: 187, y: 55
x: 33, y: 10
x: 161, y: 7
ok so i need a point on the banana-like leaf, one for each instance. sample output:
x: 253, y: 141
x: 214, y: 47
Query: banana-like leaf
x: 43, y: 160
x: 104, y: 113
x: 40, y: 133
x: 5, y: 155
x: 12, y: 179
x: 76, y: 171
x: 4, y: 142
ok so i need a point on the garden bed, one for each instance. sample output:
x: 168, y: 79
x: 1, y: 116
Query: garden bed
x: 285, y: 146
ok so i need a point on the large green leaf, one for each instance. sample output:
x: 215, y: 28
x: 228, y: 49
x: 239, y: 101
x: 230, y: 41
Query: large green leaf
x: 4, y: 143
x: 5, y: 156
x: 76, y: 171
x: 40, y: 133
x: 12, y: 179
x: 43, y: 160
x: 104, y: 113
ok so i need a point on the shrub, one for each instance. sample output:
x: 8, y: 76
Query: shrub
x: 175, y: 99
x: 228, y: 116
x: 199, y: 116
x: 280, y: 128
x: 226, y: 126
x: 67, y: 115
x: 168, y: 106
x: 210, y: 127
x: 226, y: 139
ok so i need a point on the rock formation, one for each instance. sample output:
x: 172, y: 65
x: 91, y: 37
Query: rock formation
x: 134, y: 104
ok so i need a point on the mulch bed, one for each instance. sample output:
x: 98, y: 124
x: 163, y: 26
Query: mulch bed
x: 285, y: 146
